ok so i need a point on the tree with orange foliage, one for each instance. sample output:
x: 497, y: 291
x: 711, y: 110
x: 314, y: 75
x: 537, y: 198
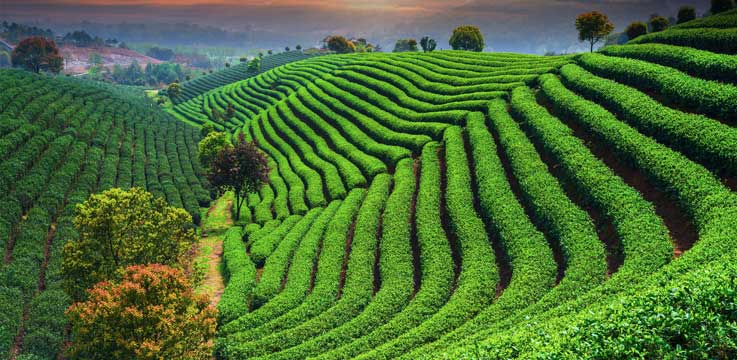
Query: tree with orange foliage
x: 593, y: 27
x: 151, y: 313
x: 37, y: 54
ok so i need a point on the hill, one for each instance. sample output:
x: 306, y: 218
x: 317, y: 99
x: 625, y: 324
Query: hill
x: 62, y: 139
x: 197, y: 86
x: 457, y: 204
x: 448, y: 204
x: 76, y: 59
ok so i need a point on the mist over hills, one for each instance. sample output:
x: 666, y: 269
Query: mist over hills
x: 532, y: 26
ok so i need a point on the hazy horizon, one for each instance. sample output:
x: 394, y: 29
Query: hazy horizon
x: 531, y: 26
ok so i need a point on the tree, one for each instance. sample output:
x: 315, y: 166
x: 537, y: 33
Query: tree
x: 227, y: 64
x: 206, y: 129
x: 428, y: 44
x: 637, y: 28
x: 151, y: 313
x: 686, y: 13
x: 593, y: 27
x: 242, y: 169
x: 269, y: 52
x: 719, y: 6
x: 467, y: 37
x: 174, y: 89
x: 405, y: 45
x: 118, y: 228
x: 340, y: 45
x: 38, y: 54
x: 211, y: 145
x: 163, y: 54
x: 286, y: 49
x: 299, y: 47
x: 658, y: 23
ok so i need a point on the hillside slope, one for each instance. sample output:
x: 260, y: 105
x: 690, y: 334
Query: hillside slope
x: 454, y: 203
x: 61, y: 140
x: 197, y: 86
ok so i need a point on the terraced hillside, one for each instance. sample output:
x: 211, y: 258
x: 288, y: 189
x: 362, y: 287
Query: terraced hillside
x: 454, y: 203
x: 197, y: 86
x: 61, y: 140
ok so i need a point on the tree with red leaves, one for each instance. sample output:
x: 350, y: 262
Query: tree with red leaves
x: 151, y: 313
x: 242, y: 169
x: 37, y: 54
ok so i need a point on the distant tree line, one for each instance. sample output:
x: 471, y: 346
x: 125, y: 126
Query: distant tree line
x: 152, y: 74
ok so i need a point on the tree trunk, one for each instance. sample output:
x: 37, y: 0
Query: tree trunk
x: 238, y: 204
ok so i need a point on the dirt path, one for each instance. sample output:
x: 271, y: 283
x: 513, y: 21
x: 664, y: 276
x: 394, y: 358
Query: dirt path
x: 208, y: 260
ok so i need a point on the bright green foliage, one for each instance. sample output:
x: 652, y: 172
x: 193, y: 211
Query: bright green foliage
x: 118, y: 228
x: 209, y: 147
x: 240, y: 272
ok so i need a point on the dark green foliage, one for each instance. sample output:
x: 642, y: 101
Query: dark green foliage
x: 685, y: 14
x: 658, y: 23
x: 636, y: 29
x: 720, y: 6
x: 467, y: 37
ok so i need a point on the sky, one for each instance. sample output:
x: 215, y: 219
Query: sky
x: 530, y: 26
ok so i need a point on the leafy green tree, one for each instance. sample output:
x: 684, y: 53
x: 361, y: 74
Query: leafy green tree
x: 286, y: 49
x: 269, y: 52
x: 428, y: 44
x: 299, y: 47
x: 686, y: 13
x: 209, y: 147
x: 38, y: 54
x: 719, y: 6
x: 242, y: 169
x: 118, y: 228
x: 340, y: 45
x: 593, y: 27
x: 467, y: 37
x: 635, y: 29
x: 405, y: 45
x: 174, y: 90
x: 152, y: 313
x: 658, y: 23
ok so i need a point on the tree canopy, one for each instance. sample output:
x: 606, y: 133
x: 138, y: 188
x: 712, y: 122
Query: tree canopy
x: 151, y: 313
x: 209, y: 147
x: 38, y: 54
x: 340, y: 45
x: 636, y: 29
x: 686, y: 13
x: 467, y: 37
x: 118, y: 228
x: 428, y: 44
x: 658, y: 23
x: 405, y: 45
x: 593, y: 27
x: 242, y: 169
